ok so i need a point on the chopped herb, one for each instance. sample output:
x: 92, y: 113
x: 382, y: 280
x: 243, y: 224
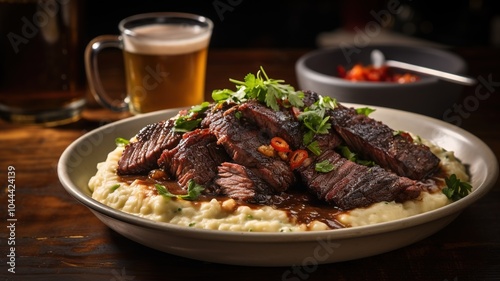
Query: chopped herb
x: 121, y: 142
x: 456, y: 189
x: 191, y: 224
x: 183, y: 125
x: 314, y: 119
x: 272, y: 92
x: 193, y: 191
x: 324, y: 166
x: 364, y: 110
x: 349, y: 155
x: 190, y: 121
x: 367, y: 163
x: 314, y: 148
x: 114, y: 187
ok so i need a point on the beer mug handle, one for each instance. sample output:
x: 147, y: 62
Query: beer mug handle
x: 92, y: 70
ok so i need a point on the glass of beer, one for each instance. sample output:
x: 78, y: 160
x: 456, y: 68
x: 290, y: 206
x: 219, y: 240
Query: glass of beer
x: 164, y: 57
x: 42, y: 77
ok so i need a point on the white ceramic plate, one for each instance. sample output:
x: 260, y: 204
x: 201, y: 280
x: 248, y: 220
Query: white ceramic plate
x: 78, y: 163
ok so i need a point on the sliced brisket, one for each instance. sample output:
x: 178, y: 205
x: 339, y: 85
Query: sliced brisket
x: 141, y: 156
x: 241, y: 141
x: 284, y: 124
x: 280, y: 123
x: 196, y: 157
x: 351, y: 185
x: 376, y: 141
x: 239, y: 182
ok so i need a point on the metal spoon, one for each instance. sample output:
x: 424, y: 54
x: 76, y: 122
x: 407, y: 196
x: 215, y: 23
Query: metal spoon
x: 378, y: 59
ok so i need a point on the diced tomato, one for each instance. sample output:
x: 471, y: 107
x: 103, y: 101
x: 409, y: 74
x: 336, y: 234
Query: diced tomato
x: 298, y: 157
x: 280, y: 144
x: 369, y: 73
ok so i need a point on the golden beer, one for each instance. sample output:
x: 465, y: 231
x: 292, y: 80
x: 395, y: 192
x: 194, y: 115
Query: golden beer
x: 162, y: 72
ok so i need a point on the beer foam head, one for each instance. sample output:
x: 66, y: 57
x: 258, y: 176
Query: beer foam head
x: 164, y: 39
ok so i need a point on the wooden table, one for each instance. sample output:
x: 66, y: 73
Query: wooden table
x: 56, y: 238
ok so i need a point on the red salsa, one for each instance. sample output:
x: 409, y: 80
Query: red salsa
x: 374, y: 74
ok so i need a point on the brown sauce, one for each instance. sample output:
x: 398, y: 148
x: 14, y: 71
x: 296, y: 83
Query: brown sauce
x: 301, y: 206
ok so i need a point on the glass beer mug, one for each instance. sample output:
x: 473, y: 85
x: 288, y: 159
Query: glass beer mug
x: 165, y: 61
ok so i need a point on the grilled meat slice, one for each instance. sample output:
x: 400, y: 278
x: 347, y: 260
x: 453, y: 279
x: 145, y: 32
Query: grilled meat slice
x: 239, y: 182
x: 284, y: 124
x: 140, y: 157
x: 275, y: 123
x: 350, y: 185
x: 376, y: 141
x: 196, y: 157
x: 241, y: 141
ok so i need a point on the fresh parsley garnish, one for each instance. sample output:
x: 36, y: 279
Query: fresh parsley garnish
x: 456, y: 189
x: 193, y: 191
x: 315, y: 119
x: 190, y: 120
x: 314, y: 147
x: 349, y: 155
x: 364, y: 110
x: 272, y: 92
x: 114, y: 187
x: 324, y: 166
x: 121, y: 142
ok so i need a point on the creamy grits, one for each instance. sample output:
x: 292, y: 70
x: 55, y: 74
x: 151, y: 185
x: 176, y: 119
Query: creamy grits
x: 142, y: 200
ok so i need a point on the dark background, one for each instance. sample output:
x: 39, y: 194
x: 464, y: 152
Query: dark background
x: 296, y: 23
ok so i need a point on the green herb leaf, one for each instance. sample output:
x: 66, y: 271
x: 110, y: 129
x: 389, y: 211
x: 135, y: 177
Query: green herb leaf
x: 260, y: 87
x: 221, y: 96
x: 324, y: 166
x: 199, y: 108
x: 193, y: 191
x: 349, y: 155
x: 308, y: 137
x: 314, y: 148
x: 315, y: 121
x: 456, y: 189
x: 183, y: 125
x: 190, y: 121
x: 364, y: 110
x: 114, y: 187
x: 121, y: 142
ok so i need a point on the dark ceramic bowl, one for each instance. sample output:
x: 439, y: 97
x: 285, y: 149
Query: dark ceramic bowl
x: 317, y: 71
